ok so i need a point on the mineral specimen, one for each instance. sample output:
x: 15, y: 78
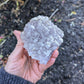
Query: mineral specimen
x: 41, y: 37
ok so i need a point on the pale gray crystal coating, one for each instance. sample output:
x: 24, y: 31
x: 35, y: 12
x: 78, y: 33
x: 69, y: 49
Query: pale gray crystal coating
x: 41, y: 37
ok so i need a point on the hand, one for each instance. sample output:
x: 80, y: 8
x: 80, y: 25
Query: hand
x: 22, y: 65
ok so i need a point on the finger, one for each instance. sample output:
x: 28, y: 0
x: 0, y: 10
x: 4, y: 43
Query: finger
x: 25, y: 59
x: 18, y: 51
x: 17, y: 34
x: 26, y: 53
x: 55, y: 54
x: 52, y: 59
x: 43, y: 67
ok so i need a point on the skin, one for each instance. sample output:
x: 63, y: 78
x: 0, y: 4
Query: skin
x: 22, y: 65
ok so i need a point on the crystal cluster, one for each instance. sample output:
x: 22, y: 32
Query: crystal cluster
x: 41, y: 37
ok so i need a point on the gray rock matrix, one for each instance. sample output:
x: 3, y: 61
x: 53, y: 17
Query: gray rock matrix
x: 41, y: 37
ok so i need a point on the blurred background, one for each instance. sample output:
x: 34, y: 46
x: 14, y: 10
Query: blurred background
x: 69, y: 66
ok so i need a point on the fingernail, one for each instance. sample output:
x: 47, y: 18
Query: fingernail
x: 53, y: 59
x: 56, y: 53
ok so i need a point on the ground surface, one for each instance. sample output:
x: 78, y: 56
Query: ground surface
x: 69, y: 66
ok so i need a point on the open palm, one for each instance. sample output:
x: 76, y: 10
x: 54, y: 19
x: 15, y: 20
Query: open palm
x: 22, y: 65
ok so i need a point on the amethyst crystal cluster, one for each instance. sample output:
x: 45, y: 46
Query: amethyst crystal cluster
x: 41, y: 37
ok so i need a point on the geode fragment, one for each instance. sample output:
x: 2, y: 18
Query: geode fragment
x: 41, y: 37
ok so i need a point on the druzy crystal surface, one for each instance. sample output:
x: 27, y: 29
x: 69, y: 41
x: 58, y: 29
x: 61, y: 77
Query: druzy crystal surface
x: 41, y: 37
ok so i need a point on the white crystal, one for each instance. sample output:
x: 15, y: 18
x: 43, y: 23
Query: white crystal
x: 41, y: 37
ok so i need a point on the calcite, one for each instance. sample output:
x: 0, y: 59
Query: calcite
x: 41, y: 37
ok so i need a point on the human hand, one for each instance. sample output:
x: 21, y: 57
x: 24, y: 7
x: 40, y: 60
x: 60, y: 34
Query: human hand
x: 22, y: 65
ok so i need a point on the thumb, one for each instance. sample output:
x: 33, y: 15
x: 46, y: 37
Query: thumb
x: 17, y: 34
x: 18, y: 51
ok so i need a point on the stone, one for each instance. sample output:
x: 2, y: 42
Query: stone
x: 41, y: 37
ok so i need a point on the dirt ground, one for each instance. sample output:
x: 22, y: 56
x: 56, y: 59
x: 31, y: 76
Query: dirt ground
x: 69, y: 66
